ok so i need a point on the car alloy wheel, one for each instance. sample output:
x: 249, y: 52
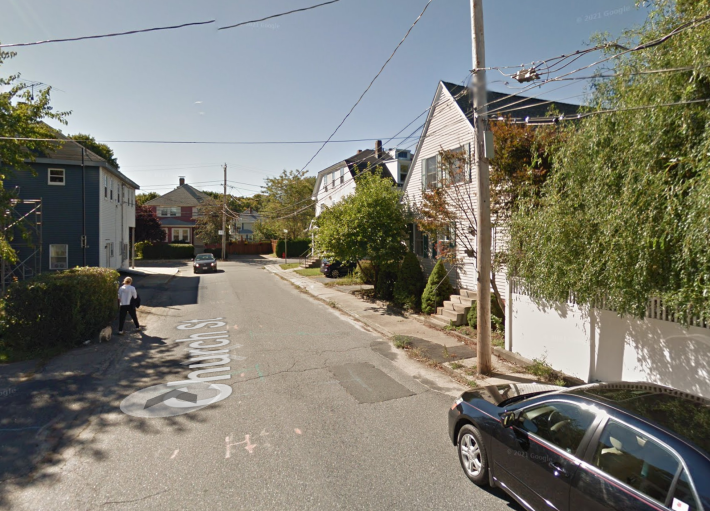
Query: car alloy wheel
x: 335, y: 274
x: 472, y: 454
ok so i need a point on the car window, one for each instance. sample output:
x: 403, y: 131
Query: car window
x: 683, y: 499
x: 636, y: 460
x: 204, y: 257
x: 562, y: 424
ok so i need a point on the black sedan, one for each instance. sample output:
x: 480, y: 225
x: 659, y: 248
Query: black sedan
x: 622, y: 446
x: 335, y: 269
x: 204, y: 262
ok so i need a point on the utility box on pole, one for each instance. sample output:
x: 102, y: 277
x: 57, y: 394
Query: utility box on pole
x: 483, y: 212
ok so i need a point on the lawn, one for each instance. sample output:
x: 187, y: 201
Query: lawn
x: 349, y: 280
x: 289, y: 266
x: 309, y: 272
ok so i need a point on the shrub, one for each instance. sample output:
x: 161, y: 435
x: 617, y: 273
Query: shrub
x: 365, y: 273
x: 146, y: 250
x: 296, y: 248
x: 497, y: 315
x: 437, y: 290
x: 410, y: 283
x: 62, y: 309
x: 384, y: 288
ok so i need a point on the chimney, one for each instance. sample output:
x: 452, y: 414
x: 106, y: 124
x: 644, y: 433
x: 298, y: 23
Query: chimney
x: 359, y: 151
x: 378, y: 149
x: 250, y: 210
x: 182, y: 180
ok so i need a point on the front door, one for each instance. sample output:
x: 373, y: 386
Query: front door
x: 537, y: 457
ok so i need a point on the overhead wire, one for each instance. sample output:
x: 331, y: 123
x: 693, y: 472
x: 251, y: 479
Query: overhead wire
x: 279, y: 15
x: 371, y: 84
x: 100, y: 36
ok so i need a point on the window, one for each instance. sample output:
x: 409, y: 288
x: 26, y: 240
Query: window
x: 55, y: 177
x: 335, y: 177
x: 561, y: 424
x: 111, y: 188
x: 105, y: 186
x: 164, y: 212
x: 683, y: 495
x: 58, y: 257
x: 458, y: 170
x: 181, y: 235
x: 325, y: 181
x: 429, y: 172
x: 403, y: 171
x: 165, y: 230
x: 403, y: 155
x: 634, y: 459
x: 342, y: 175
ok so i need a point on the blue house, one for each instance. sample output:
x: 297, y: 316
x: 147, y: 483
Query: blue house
x: 75, y: 209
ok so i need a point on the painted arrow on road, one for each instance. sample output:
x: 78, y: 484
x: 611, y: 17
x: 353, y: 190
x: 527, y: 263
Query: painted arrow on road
x: 177, y: 394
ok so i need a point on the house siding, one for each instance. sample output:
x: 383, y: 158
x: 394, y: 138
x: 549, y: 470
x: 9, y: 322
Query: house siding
x: 334, y: 193
x: 449, y: 129
x: 116, y: 219
x: 61, y: 210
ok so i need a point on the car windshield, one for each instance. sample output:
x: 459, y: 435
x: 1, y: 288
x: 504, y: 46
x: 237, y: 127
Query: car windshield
x: 204, y: 257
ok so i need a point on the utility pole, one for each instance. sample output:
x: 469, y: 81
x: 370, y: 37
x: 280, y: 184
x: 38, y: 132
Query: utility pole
x: 224, y: 217
x: 483, y: 208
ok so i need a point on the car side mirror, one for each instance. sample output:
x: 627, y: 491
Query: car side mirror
x: 509, y: 419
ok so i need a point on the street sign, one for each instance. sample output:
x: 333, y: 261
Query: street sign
x: 220, y: 232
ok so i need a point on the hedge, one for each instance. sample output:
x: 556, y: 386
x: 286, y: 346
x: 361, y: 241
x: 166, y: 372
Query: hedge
x: 147, y: 250
x: 410, y: 283
x: 296, y: 248
x: 61, y: 309
x: 497, y: 315
x: 437, y: 290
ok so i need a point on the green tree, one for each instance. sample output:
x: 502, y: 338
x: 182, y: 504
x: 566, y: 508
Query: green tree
x: 410, y: 283
x: 437, y: 290
x: 98, y: 148
x: 209, y: 222
x: 624, y: 214
x: 142, y: 198
x: 368, y: 224
x: 286, y: 204
x: 22, y: 115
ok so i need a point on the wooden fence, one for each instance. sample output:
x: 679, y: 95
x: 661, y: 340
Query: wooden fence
x: 245, y: 248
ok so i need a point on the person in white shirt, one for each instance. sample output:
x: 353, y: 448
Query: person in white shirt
x: 126, y: 293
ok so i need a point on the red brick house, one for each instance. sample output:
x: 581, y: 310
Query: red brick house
x: 177, y: 211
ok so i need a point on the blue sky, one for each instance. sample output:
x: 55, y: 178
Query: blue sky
x: 290, y: 78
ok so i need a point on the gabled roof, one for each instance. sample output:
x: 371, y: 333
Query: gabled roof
x: 527, y: 107
x: 253, y: 217
x: 183, y: 195
x: 357, y: 163
x: 70, y: 154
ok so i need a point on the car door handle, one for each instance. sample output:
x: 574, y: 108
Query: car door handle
x: 559, y: 469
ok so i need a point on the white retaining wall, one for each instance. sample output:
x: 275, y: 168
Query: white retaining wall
x: 598, y: 345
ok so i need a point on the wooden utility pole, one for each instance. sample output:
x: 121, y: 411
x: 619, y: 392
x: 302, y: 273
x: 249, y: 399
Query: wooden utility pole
x: 483, y: 213
x: 224, y: 217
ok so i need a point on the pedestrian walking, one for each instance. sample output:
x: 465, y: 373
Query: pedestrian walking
x: 127, y: 298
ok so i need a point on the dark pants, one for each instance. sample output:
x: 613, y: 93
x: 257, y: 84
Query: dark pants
x: 122, y: 316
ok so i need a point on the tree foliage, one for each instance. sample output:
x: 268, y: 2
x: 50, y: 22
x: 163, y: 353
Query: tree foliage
x: 142, y: 198
x: 209, y: 222
x: 148, y: 227
x: 410, y: 283
x: 624, y: 214
x: 98, y: 148
x: 368, y: 224
x: 22, y: 114
x: 286, y: 204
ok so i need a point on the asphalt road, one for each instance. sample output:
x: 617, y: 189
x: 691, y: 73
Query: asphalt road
x: 320, y: 416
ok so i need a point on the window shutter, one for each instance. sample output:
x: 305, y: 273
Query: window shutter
x: 423, y: 175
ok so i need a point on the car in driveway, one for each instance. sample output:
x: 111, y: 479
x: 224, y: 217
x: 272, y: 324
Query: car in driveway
x: 335, y: 269
x: 204, y: 262
x: 619, y: 446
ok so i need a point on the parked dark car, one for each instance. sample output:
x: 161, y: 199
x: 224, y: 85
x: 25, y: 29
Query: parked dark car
x: 204, y: 262
x: 335, y: 269
x: 621, y: 446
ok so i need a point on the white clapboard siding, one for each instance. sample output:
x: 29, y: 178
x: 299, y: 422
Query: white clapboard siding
x: 448, y: 128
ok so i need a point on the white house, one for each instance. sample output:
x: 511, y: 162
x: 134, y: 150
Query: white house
x: 245, y: 225
x: 448, y: 127
x: 337, y: 181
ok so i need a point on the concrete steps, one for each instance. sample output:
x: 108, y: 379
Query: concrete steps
x: 454, y: 311
x: 311, y: 262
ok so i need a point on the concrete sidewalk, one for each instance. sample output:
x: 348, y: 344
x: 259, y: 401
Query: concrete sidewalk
x: 452, y: 355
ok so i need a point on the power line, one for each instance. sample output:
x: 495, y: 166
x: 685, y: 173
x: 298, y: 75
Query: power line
x: 15, y: 45
x: 370, y: 85
x: 279, y: 15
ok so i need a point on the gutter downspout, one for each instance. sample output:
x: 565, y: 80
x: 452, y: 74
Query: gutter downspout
x: 83, y: 208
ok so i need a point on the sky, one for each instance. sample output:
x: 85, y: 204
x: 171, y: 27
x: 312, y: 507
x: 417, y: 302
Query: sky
x: 291, y: 78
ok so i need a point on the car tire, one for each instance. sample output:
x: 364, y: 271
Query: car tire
x: 335, y: 274
x: 472, y: 455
